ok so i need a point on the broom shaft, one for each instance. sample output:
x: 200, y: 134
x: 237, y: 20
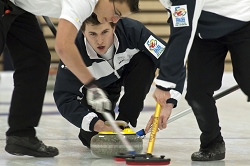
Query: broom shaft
x: 216, y: 97
x: 50, y: 25
x: 154, y: 129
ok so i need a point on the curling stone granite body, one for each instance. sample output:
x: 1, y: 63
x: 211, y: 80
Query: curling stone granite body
x: 107, y: 144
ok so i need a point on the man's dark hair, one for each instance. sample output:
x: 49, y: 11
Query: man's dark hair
x: 132, y: 4
x: 92, y: 19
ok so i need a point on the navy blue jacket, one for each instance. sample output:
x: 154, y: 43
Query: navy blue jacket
x: 209, y: 19
x: 130, y: 37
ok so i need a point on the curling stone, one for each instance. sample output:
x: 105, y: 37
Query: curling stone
x: 107, y: 144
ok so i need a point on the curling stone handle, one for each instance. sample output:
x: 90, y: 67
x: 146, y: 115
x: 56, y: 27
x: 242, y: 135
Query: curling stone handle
x: 118, y: 123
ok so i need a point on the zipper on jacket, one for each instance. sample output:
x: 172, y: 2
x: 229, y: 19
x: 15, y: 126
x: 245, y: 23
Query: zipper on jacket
x: 117, y: 75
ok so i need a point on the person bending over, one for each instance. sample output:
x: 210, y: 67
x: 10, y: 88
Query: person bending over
x: 119, y: 55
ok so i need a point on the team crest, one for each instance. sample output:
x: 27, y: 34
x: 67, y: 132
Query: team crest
x: 154, y: 46
x: 180, y: 16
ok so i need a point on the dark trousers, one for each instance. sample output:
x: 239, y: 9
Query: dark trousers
x: 136, y: 79
x: 205, y: 71
x: 20, y: 31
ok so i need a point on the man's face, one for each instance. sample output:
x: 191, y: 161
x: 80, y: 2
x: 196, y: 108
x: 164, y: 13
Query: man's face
x: 100, y: 37
x: 110, y: 11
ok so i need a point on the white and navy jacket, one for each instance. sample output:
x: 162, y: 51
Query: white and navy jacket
x: 209, y: 19
x: 130, y: 37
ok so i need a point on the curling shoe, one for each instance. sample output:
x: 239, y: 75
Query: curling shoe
x: 30, y: 146
x: 215, y: 151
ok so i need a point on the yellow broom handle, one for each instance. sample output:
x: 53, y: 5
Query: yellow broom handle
x: 154, y: 129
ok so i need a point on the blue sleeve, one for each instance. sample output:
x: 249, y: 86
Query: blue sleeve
x: 183, y: 24
x: 146, y: 41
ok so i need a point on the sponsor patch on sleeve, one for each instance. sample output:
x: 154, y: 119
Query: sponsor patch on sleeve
x: 180, y: 16
x: 154, y: 46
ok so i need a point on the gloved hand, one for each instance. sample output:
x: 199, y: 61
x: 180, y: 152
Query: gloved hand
x: 97, y: 98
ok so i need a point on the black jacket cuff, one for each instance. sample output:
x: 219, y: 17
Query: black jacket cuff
x: 173, y: 101
x: 91, y: 84
x: 92, y: 123
x: 162, y: 88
